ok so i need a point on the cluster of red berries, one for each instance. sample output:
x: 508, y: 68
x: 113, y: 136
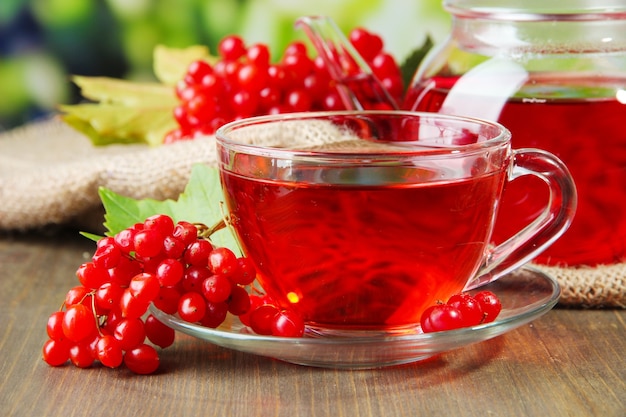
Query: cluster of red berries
x: 265, y: 318
x: 244, y: 82
x: 173, y: 266
x: 461, y: 310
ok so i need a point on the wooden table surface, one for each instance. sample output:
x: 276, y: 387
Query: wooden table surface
x: 567, y: 363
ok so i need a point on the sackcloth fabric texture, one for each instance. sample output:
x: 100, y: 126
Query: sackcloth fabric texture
x: 50, y: 175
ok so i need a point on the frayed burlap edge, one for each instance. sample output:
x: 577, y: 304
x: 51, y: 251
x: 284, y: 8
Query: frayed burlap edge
x: 590, y: 287
x: 50, y: 175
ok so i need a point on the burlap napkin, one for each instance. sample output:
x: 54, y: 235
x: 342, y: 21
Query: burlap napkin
x: 50, y: 174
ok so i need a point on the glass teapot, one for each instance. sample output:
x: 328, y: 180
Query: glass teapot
x: 554, y: 73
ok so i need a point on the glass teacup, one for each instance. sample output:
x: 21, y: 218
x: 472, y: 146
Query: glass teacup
x: 360, y: 220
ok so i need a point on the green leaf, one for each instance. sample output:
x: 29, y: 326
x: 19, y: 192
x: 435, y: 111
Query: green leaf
x: 91, y: 236
x: 410, y: 64
x: 200, y: 202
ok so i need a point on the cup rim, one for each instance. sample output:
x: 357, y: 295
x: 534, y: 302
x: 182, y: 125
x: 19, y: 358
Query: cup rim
x: 223, y: 138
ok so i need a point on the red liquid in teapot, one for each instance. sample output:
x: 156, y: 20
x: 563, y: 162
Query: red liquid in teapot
x: 589, y: 135
x: 363, y: 256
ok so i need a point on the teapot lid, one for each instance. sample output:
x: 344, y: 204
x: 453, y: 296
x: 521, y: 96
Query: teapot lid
x: 538, y: 9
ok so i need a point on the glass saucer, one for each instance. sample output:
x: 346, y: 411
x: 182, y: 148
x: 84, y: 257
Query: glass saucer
x: 525, y: 295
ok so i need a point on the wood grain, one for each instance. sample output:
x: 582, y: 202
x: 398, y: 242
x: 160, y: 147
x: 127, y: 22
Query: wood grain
x: 567, y: 363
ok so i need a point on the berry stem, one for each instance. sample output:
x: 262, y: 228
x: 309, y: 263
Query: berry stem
x: 206, y: 232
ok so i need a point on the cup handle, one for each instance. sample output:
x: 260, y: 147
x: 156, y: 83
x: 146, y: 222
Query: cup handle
x: 545, y: 229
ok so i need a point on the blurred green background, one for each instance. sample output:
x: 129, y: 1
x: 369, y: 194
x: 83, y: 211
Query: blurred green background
x: 42, y: 42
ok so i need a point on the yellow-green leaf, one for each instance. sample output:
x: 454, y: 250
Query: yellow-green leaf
x: 84, y: 127
x: 105, y: 124
x: 170, y: 64
x: 130, y: 93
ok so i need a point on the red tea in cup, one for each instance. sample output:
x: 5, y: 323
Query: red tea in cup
x: 366, y: 229
x: 360, y: 251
